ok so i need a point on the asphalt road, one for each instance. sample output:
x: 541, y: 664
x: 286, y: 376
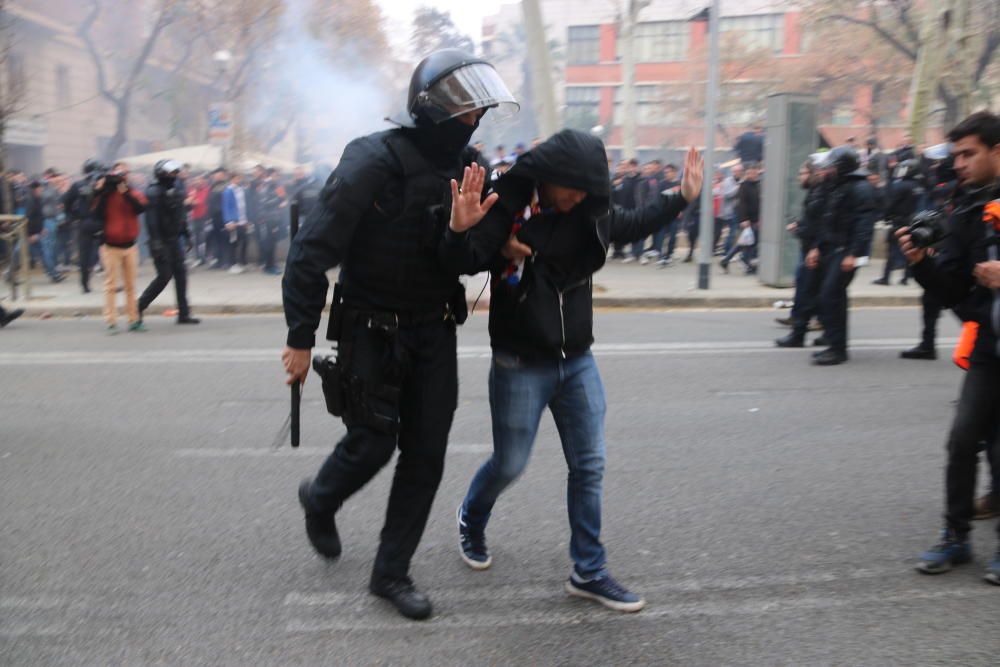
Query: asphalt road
x: 770, y: 511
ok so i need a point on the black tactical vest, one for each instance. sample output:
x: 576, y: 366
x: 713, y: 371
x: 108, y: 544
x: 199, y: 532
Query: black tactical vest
x: 392, y: 262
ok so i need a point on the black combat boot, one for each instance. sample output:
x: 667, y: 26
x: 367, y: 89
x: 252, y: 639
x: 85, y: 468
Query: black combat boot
x: 403, y: 595
x: 321, y: 528
x: 793, y: 339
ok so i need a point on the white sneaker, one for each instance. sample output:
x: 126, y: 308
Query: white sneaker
x: 235, y: 269
x: 628, y: 259
x: 644, y: 260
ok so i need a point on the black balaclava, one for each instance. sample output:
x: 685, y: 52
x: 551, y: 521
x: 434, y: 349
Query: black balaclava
x: 442, y: 143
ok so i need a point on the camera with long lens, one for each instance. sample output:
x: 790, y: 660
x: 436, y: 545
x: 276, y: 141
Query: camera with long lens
x: 927, y: 229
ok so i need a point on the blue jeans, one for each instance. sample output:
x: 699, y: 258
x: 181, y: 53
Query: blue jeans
x: 574, y: 393
x: 734, y: 231
x: 50, y: 244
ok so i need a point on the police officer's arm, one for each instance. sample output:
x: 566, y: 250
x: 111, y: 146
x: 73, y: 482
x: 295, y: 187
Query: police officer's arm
x: 153, y: 222
x: 324, y: 239
x: 865, y: 214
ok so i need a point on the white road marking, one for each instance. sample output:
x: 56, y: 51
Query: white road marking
x: 654, y: 612
x: 271, y: 355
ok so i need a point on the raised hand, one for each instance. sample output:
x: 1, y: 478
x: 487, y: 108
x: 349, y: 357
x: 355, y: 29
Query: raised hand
x: 694, y: 173
x: 467, y: 204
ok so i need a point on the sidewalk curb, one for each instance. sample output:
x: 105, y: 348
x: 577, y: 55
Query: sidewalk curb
x: 39, y: 308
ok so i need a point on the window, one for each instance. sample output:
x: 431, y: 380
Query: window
x: 62, y: 87
x: 662, y: 41
x: 766, y: 31
x: 582, y: 107
x: 656, y: 106
x: 843, y: 114
x: 743, y: 102
x: 583, y: 45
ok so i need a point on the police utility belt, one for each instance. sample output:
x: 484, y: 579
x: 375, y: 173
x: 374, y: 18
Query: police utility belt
x: 365, y: 391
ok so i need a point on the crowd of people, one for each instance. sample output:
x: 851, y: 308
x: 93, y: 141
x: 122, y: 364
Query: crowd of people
x: 101, y: 221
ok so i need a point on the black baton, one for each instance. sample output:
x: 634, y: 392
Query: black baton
x: 296, y: 386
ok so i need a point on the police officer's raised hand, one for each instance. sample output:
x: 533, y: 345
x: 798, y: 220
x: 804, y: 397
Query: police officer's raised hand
x: 296, y: 364
x: 812, y: 258
x: 694, y: 173
x: 467, y: 204
x: 913, y: 255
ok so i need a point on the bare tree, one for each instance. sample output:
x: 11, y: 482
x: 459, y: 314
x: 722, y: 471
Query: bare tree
x: 897, y: 23
x: 12, y: 82
x: 121, y: 93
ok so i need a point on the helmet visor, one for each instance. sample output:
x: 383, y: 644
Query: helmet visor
x: 171, y: 167
x: 468, y: 88
x: 938, y: 151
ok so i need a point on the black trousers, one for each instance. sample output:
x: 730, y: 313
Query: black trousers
x: 931, y: 311
x: 427, y: 358
x: 807, y: 283
x: 977, y: 418
x: 169, y: 264
x: 833, y: 302
x: 268, y: 244
x: 88, y: 254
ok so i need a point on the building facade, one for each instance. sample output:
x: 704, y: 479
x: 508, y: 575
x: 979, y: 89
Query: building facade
x: 765, y: 49
x: 59, y: 118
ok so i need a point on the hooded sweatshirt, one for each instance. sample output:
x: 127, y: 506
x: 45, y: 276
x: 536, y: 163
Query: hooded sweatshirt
x: 548, y: 312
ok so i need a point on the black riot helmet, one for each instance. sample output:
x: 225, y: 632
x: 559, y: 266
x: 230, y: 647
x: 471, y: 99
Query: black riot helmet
x: 90, y: 166
x: 449, y: 83
x: 166, y: 171
x: 844, y: 159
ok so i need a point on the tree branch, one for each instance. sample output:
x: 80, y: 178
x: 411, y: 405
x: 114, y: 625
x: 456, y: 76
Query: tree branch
x: 83, y: 32
x: 986, y: 57
x: 162, y: 21
x: 879, y: 30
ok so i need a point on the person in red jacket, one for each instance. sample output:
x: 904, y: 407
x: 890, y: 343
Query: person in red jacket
x: 118, y: 207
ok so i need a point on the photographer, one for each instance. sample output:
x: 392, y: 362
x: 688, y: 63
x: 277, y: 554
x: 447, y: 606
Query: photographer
x: 118, y: 207
x: 964, y: 273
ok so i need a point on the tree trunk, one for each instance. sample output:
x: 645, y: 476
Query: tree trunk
x: 118, y: 139
x: 544, y: 89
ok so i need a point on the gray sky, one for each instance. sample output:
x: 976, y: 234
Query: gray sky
x: 468, y: 16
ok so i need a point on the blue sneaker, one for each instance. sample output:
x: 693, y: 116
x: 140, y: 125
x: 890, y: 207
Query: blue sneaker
x: 993, y: 570
x: 607, y: 591
x: 473, y: 545
x: 949, y: 552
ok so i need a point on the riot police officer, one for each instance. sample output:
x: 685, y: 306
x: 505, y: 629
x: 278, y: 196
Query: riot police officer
x: 78, y: 206
x: 844, y: 234
x: 382, y: 217
x: 166, y: 223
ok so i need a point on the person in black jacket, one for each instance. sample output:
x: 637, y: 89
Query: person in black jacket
x: 813, y: 180
x: 166, y: 224
x: 218, y: 240
x: 382, y: 217
x: 543, y: 241
x: 903, y: 195
x: 843, y: 235
x: 748, y: 214
x: 78, y: 204
x: 964, y: 274
x: 36, y: 231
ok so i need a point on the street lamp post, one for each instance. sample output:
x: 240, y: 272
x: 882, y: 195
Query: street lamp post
x: 223, y: 61
x: 706, y: 224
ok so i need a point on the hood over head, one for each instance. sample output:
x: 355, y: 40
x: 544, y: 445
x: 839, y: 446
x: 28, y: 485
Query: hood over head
x: 571, y: 159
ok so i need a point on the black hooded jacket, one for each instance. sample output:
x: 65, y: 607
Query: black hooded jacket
x: 948, y: 275
x: 849, y: 217
x: 548, y: 314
